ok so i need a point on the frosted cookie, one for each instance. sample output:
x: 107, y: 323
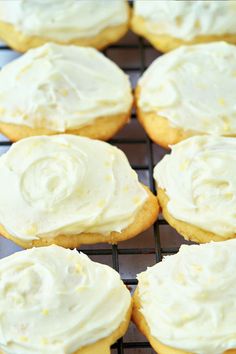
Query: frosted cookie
x: 52, y: 301
x: 59, y: 89
x: 185, y: 304
x: 189, y: 91
x: 197, y: 188
x: 26, y: 24
x: 69, y: 190
x: 170, y: 24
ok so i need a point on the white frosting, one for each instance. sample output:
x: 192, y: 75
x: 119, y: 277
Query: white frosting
x: 199, y: 177
x: 52, y: 301
x: 188, y: 300
x: 67, y: 185
x: 63, y: 20
x: 188, y: 19
x: 60, y: 87
x: 194, y: 87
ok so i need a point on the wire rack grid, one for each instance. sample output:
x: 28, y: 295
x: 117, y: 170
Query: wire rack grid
x: 133, y: 55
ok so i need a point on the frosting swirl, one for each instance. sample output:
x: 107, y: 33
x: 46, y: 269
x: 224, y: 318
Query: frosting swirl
x: 186, y: 301
x: 63, y: 20
x: 59, y: 88
x: 67, y: 185
x: 199, y: 179
x: 52, y: 301
x: 188, y: 19
x: 194, y: 87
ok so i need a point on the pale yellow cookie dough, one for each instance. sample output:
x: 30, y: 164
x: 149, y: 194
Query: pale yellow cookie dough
x: 165, y: 43
x: 143, y: 220
x: 142, y: 325
x: 102, y: 129
x: 21, y: 42
x: 188, y: 231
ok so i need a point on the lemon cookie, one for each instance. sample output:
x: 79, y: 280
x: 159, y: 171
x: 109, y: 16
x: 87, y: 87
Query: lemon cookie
x: 26, y: 24
x: 170, y: 24
x: 197, y: 188
x: 55, y: 89
x: 52, y: 301
x: 189, y: 91
x: 185, y: 304
x: 70, y: 190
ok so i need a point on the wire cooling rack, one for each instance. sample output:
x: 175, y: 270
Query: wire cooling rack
x: 133, y: 55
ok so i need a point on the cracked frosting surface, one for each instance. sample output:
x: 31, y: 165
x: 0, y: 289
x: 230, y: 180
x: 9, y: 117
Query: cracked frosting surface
x: 63, y: 20
x: 199, y: 179
x: 61, y: 88
x: 194, y: 88
x: 187, y: 301
x: 52, y: 301
x: 67, y: 185
x: 188, y: 19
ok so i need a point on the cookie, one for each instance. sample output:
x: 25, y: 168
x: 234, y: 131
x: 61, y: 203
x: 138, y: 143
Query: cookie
x: 184, y: 304
x: 29, y: 24
x: 189, y: 91
x: 171, y: 24
x: 52, y: 302
x: 70, y: 190
x: 197, y: 188
x: 63, y: 89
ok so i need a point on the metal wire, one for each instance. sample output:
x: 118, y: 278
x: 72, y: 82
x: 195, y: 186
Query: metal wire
x: 116, y: 251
